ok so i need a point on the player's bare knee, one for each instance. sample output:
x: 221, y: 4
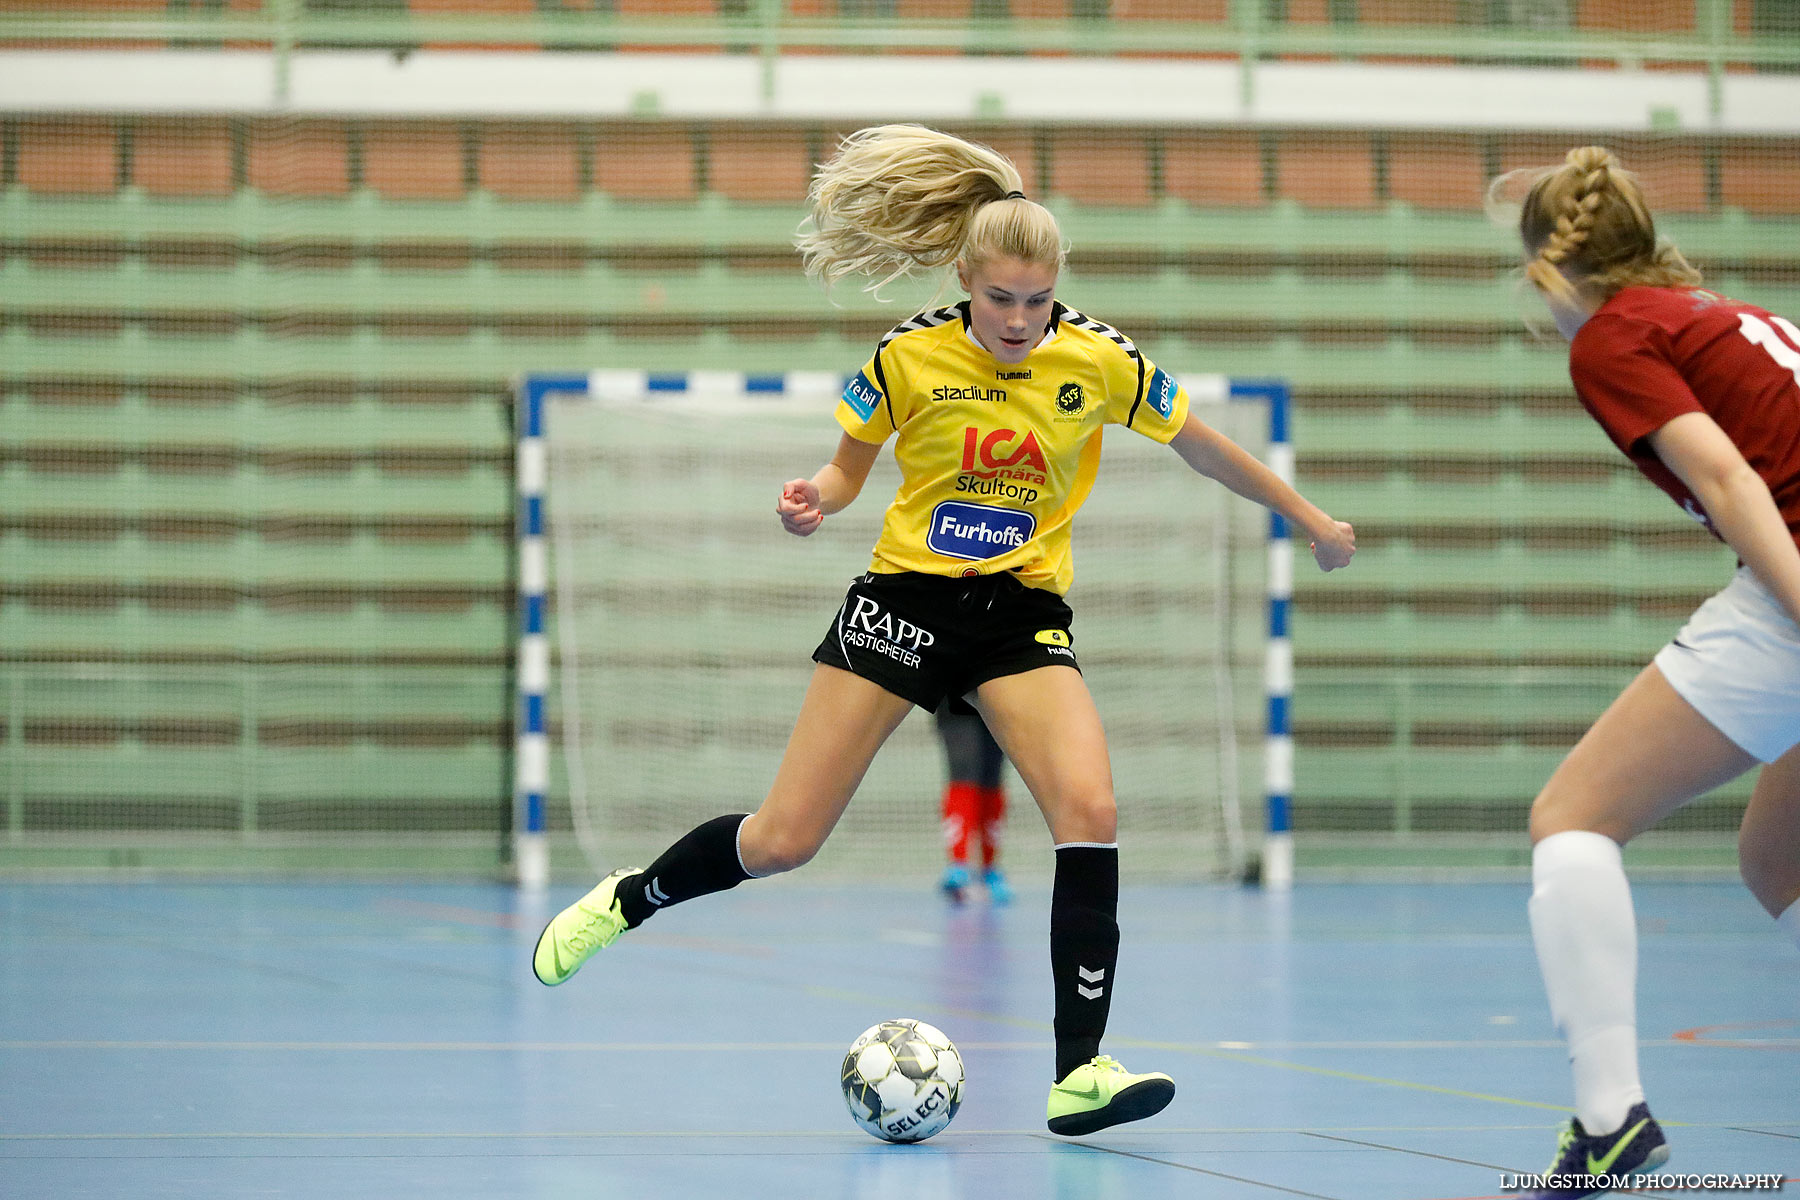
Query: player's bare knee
x: 782, y: 855
x: 1559, y: 809
x: 1091, y: 818
x: 1550, y: 813
x: 1770, y: 874
x: 763, y: 850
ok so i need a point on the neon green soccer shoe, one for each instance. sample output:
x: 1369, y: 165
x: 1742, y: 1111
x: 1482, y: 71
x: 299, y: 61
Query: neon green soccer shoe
x: 592, y: 923
x: 1102, y: 1093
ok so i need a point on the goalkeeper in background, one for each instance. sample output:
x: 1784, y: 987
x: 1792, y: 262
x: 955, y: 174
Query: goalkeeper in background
x: 996, y: 406
x: 974, y: 801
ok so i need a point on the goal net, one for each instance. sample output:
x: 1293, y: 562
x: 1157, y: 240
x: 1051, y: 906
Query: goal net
x: 682, y: 619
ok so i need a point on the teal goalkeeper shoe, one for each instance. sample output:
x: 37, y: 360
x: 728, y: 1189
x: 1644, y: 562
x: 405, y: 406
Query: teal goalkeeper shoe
x: 1099, y: 1094
x: 999, y: 891
x: 592, y: 923
x: 1587, y: 1164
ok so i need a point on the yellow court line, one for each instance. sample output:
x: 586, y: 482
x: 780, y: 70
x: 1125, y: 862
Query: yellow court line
x: 1231, y: 1052
x: 702, y: 1047
x: 1226, y: 1046
x: 464, y: 1047
x: 1354, y: 1076
x: 726, y: 1134
x: 1231, y: 1056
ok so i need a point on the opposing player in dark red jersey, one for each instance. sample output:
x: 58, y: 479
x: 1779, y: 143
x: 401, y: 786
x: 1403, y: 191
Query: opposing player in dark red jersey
x: 1702, y: 393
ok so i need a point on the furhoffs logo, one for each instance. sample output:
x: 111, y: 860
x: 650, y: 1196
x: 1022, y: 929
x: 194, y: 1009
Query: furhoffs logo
x: 977, y: 531
x: 1069, y: 400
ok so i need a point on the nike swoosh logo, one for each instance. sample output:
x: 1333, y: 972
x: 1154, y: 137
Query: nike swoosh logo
x: 1601, y: 1166
x: 1092, y: 1093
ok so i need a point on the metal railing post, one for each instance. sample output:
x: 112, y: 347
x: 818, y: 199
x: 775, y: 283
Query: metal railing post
x: 286, y: 13
x: 15, y: 754
x: 1403, y: 740
x: 248, y: 740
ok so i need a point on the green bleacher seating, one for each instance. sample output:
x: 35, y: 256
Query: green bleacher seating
x: 254, y: 414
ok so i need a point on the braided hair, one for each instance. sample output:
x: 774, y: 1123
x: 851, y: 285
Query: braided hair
x: 1586, y: 220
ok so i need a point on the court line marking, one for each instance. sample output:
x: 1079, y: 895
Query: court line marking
x: 455, y: 913
x: 1467, y: 1162
x: 149, y: 940
x: 1138, y: 1043
x: 1227, y: 1046
x: 1765, y: 1132
x: 1211, y: 1051
x: 609, y: 1134
x: 491, y: 919
x: 1161, y: 1162
x: 722, y: 1134
x: 1333, y: 1073
x: 1701, y: 1035
x: 468, y: 1047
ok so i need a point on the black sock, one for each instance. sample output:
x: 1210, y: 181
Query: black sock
x: 1084, y: 949
x: 704, y: 861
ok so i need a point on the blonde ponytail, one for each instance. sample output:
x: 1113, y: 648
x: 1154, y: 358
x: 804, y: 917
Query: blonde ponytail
x: 900, y: 200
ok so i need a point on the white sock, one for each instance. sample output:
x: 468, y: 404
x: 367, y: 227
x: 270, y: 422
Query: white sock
x: 1586, y: 937
x: 1789, y: 921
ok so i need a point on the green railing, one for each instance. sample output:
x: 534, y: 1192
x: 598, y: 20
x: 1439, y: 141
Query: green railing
x: 257, y: 764
x: 1436, y: 768
x: 765, y: 28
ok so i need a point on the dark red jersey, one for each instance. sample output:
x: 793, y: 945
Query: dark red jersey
x: 1653, y: 353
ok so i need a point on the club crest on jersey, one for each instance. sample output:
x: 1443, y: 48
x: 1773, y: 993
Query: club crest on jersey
x: 1069, y: 400
x: 975, y: 531
x: 862, y: 396
x: 1160, y: 393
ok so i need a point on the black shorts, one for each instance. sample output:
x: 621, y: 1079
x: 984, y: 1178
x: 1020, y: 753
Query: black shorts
x: 927, y: 638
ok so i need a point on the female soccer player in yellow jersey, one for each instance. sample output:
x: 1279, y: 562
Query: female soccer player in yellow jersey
x: 996, y: 406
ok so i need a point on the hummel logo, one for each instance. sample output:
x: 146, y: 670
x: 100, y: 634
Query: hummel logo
x: 654, y: 894
x: 1087, y: 976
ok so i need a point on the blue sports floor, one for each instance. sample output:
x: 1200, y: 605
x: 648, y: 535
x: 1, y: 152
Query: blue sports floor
x: 317, y: 1040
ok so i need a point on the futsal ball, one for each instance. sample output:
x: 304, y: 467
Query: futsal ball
x: 903, y: 1080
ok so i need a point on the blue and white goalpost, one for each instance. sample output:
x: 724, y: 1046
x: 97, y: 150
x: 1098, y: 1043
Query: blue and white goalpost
x: 646, y: 503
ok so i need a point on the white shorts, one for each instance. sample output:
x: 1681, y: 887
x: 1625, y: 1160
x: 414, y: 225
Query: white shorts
x: 1737, y: 661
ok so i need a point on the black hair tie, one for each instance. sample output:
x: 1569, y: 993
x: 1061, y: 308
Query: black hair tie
x: 1013, y: 196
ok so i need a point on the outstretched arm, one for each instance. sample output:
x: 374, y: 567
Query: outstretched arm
x: 1736, y: 498
x: 1218, y: 457
x: 805, y: 503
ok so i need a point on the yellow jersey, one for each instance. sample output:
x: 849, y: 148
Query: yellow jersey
x: 996, y: 458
